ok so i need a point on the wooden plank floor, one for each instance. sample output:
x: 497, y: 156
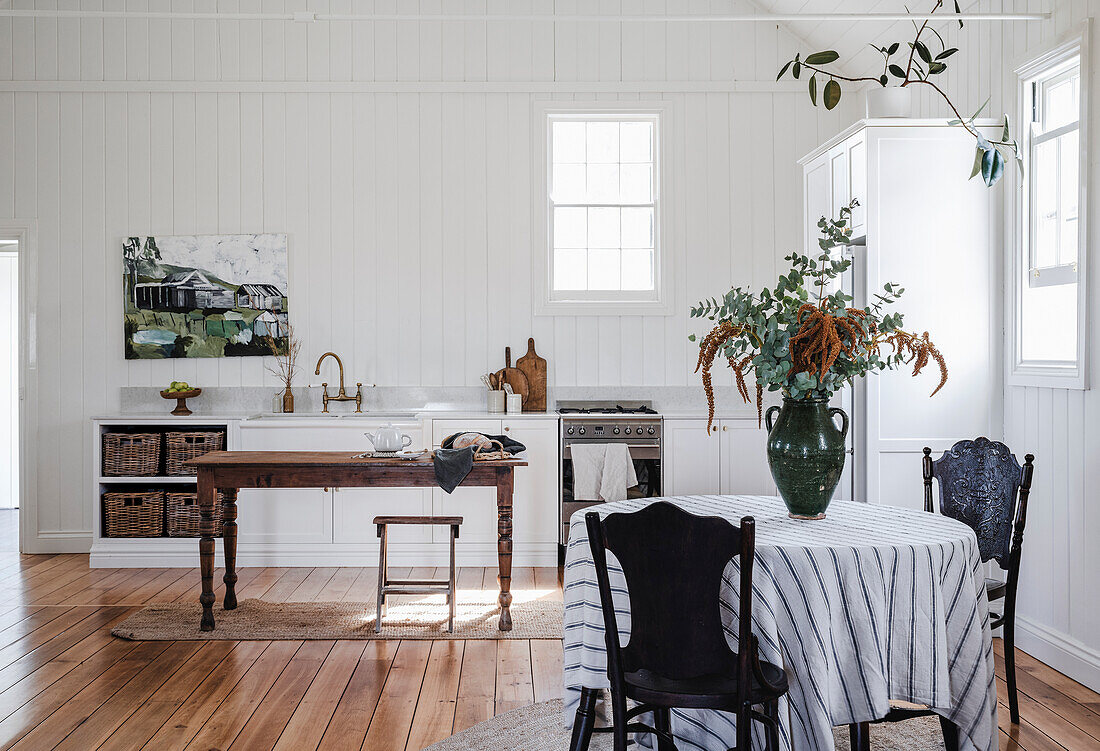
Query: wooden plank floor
x: 66, y: 683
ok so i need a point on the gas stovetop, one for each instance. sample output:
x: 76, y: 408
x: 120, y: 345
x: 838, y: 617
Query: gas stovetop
x: 606, y: 408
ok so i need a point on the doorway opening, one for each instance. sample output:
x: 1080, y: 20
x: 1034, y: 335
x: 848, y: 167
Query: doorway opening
x: 9, y: 376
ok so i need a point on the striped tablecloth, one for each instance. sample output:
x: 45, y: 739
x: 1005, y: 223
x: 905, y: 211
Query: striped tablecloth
x: 872, y: 603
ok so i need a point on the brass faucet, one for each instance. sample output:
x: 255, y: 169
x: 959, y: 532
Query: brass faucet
x: 341, y: 396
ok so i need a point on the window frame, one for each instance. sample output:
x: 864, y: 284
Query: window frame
x: 548, y: 301
x: 1021, y: 273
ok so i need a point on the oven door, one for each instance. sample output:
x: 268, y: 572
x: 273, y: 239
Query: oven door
x: 646, y: 455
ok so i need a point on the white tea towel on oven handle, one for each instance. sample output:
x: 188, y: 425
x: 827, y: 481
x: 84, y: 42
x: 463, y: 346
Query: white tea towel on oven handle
x: 618, y: 472
x: 588, y: 468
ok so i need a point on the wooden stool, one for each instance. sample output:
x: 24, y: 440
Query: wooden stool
x: 388, y: 586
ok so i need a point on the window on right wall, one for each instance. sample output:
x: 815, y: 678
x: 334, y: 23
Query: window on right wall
x: 1047, y: 342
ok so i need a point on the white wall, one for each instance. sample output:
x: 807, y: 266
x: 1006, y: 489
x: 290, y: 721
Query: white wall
x: 1059, y: 612
x: 398, y: 158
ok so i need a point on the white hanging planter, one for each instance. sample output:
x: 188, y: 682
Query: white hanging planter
x: 889, y: 101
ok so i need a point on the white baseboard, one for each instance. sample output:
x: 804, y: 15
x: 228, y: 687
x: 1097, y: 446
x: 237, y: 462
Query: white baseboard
x: 1061, y: 651
x: 59, y: 541
x: 184, y: 553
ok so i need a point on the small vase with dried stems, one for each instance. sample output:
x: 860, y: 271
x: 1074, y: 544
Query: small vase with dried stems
x: 286, y: 353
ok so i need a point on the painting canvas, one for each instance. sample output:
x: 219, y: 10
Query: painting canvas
x: 205, y: 296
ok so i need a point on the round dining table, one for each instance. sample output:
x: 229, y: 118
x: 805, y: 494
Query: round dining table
x: 873, y: 603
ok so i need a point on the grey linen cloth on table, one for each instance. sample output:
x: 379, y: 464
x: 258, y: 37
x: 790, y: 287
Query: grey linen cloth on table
x: 452, y: 465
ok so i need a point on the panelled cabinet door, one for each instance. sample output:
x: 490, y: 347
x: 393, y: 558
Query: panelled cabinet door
x: 818, y: 191
x: 535, y: 501
x: 745, y: 458
x: 354, y: 509
x: 284, y: 515
x: 476, y: 506
x: 691, y: 458
x: 856, y: 147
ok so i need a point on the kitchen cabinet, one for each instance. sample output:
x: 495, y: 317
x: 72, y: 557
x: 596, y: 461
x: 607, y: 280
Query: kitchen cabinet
x: 923, y: 226
x: 732, y: 460
x: 535, y: 504
x: 692, y: 458
x: 744, y: 456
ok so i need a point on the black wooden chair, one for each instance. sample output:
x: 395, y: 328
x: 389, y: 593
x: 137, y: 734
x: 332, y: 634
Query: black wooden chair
x: 677, y: 655
x: 983, y: 486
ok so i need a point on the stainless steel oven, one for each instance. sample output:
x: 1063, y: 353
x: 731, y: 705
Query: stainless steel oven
x: 638, y: 426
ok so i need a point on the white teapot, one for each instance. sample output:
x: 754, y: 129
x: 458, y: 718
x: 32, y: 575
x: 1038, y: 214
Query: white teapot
x: 389, y: 438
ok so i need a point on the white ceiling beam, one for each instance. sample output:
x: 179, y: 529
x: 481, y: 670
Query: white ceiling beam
x: 533, y: 17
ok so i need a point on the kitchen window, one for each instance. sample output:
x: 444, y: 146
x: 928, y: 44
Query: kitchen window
x: 1048, y: 299
x: 600, y: 209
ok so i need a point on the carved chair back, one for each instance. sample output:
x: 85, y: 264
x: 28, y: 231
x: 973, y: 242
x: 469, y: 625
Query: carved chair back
x: 673, y: 563
x: 982, y: 485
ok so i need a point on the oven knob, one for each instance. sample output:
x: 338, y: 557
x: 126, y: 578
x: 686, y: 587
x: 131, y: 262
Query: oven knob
x: 652, y: 431
x: 581, y: 431
x: 627, y: 430
x: 615, y: 431
x: 570, y: 431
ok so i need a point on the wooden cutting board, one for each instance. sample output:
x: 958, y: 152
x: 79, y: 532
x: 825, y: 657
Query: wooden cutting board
x: 514, y: 377
x: 534, y: 367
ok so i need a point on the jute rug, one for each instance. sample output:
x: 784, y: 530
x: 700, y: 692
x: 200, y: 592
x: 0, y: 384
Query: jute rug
x: 476, y: 617
x: 540, y: 727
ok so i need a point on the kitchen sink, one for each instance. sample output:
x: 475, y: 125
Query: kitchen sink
x: 353, y: 416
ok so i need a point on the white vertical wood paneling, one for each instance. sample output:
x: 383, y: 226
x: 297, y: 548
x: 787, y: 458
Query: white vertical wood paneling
x: 409, y: 214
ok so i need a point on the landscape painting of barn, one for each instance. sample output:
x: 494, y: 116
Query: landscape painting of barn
x: 205, y: 295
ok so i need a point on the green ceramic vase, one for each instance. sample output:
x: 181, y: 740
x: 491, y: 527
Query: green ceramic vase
x: 806, y: 454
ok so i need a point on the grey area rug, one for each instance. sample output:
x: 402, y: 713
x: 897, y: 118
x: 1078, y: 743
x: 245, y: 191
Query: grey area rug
x: 539, y: 727
x: 426, y: 618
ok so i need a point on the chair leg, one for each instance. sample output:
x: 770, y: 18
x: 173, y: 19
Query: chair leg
x: 744, y: 728
x: 950, y: 734
x: 584, y: 721
x: 771, y: 729
x: 451, y: 586
x: 381, y: 577
x: 859, y: 736
x: 618, y: 711
x: 662, y: 720
x: 1010, y: 667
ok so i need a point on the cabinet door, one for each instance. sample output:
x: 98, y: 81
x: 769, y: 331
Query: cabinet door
x: 287, y: 515
x: 691, y: 459
x: 535, y: 505
x: 745, y: 459
x: 284, y: 515
x: 818, y: 190
x: 857, y: 183
x: 354, y: 509
x: 536, y: 501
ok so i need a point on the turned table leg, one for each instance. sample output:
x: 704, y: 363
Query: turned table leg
x: 206, y: 547
x: 505, y: 483
x: 229, y: 537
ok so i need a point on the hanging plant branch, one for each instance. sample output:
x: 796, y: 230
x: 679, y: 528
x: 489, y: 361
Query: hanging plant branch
x: 922, y: 63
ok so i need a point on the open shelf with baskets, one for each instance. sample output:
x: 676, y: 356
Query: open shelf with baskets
x: 143, y: 489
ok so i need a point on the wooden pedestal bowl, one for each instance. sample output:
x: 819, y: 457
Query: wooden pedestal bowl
x: 181, y: 398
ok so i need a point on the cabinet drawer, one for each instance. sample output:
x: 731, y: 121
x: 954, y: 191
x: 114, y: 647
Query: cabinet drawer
x: 443, y: 428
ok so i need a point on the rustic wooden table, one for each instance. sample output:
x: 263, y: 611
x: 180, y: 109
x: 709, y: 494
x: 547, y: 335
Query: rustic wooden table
x: 229, y: 471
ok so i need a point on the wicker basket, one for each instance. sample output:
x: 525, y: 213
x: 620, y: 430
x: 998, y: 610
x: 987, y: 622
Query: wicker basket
x: 495, y: 452
x: 184, y: 446
x: 184, y: 516
x: 134, y: 514
x: 131, y: 454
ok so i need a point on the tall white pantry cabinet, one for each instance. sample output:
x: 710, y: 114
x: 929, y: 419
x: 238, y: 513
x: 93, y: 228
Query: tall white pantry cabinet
x: 922, y: 225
